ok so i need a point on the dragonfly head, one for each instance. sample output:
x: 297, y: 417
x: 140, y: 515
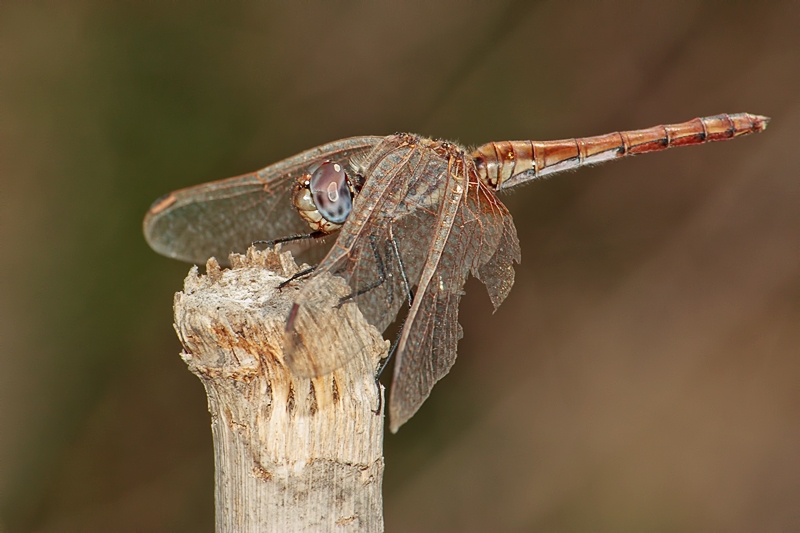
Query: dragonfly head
x: 324, y: 197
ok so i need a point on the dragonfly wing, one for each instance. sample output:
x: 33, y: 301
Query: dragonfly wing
x: 422, y: 221
x: 215, y: 219
x: 496, y: 231
x: 380, y: 249
x: 479, y: 238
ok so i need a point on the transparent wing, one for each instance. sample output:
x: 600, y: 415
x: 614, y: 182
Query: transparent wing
x: 423, y: 221
x: 481, y: 239
x: 381, y: 248
x: 215, y: 219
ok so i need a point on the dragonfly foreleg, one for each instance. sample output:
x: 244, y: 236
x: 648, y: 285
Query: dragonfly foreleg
x: 297, y: 275
x: 291, y: 238
x: 381, y: 275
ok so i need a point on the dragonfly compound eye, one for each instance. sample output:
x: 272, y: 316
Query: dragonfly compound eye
x: 331, y: 193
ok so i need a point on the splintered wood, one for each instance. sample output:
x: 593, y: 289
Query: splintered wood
x: 293, y: 453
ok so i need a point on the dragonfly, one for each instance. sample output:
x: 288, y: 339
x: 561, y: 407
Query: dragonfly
x: 412, y: 217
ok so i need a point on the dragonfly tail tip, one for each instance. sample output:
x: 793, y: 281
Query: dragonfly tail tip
x: 760, y: 122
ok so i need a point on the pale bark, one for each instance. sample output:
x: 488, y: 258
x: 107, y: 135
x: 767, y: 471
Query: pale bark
x: 291, y: 453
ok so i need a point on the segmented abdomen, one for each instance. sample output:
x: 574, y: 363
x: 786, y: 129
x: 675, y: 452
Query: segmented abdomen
x: 508, y: 163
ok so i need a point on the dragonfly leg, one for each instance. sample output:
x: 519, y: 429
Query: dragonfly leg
x: 381, y: 276
x: 386, y: 361
x: 410, y: 295
x: 382, y: 272
x: 291, y: 238
x: 297, y: 275
x: 384, y: 364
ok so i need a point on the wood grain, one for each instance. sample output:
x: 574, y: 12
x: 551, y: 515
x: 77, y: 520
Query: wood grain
x: 291, y: 453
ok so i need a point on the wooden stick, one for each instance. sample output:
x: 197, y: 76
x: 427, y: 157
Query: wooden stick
x: 291, y: 453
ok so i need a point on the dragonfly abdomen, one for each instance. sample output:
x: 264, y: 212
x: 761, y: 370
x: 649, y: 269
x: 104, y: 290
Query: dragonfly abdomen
x: 508, y: 163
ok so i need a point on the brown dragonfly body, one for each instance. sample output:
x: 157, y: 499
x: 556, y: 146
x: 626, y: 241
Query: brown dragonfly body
x: 415, y: 217
x: 509, y: 163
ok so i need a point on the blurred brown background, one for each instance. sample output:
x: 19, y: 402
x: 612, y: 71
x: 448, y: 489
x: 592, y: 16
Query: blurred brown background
x: 643, y: 375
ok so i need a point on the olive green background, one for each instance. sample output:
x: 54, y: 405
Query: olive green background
x: 642, y: 375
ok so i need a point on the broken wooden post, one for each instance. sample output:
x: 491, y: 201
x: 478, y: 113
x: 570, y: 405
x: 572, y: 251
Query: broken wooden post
x: 291, y: 453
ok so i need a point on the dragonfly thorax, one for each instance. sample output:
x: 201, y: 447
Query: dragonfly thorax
x: 324, y: 198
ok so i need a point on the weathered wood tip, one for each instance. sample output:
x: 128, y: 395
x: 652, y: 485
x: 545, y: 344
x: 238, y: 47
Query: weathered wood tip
x: 292, y: 452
